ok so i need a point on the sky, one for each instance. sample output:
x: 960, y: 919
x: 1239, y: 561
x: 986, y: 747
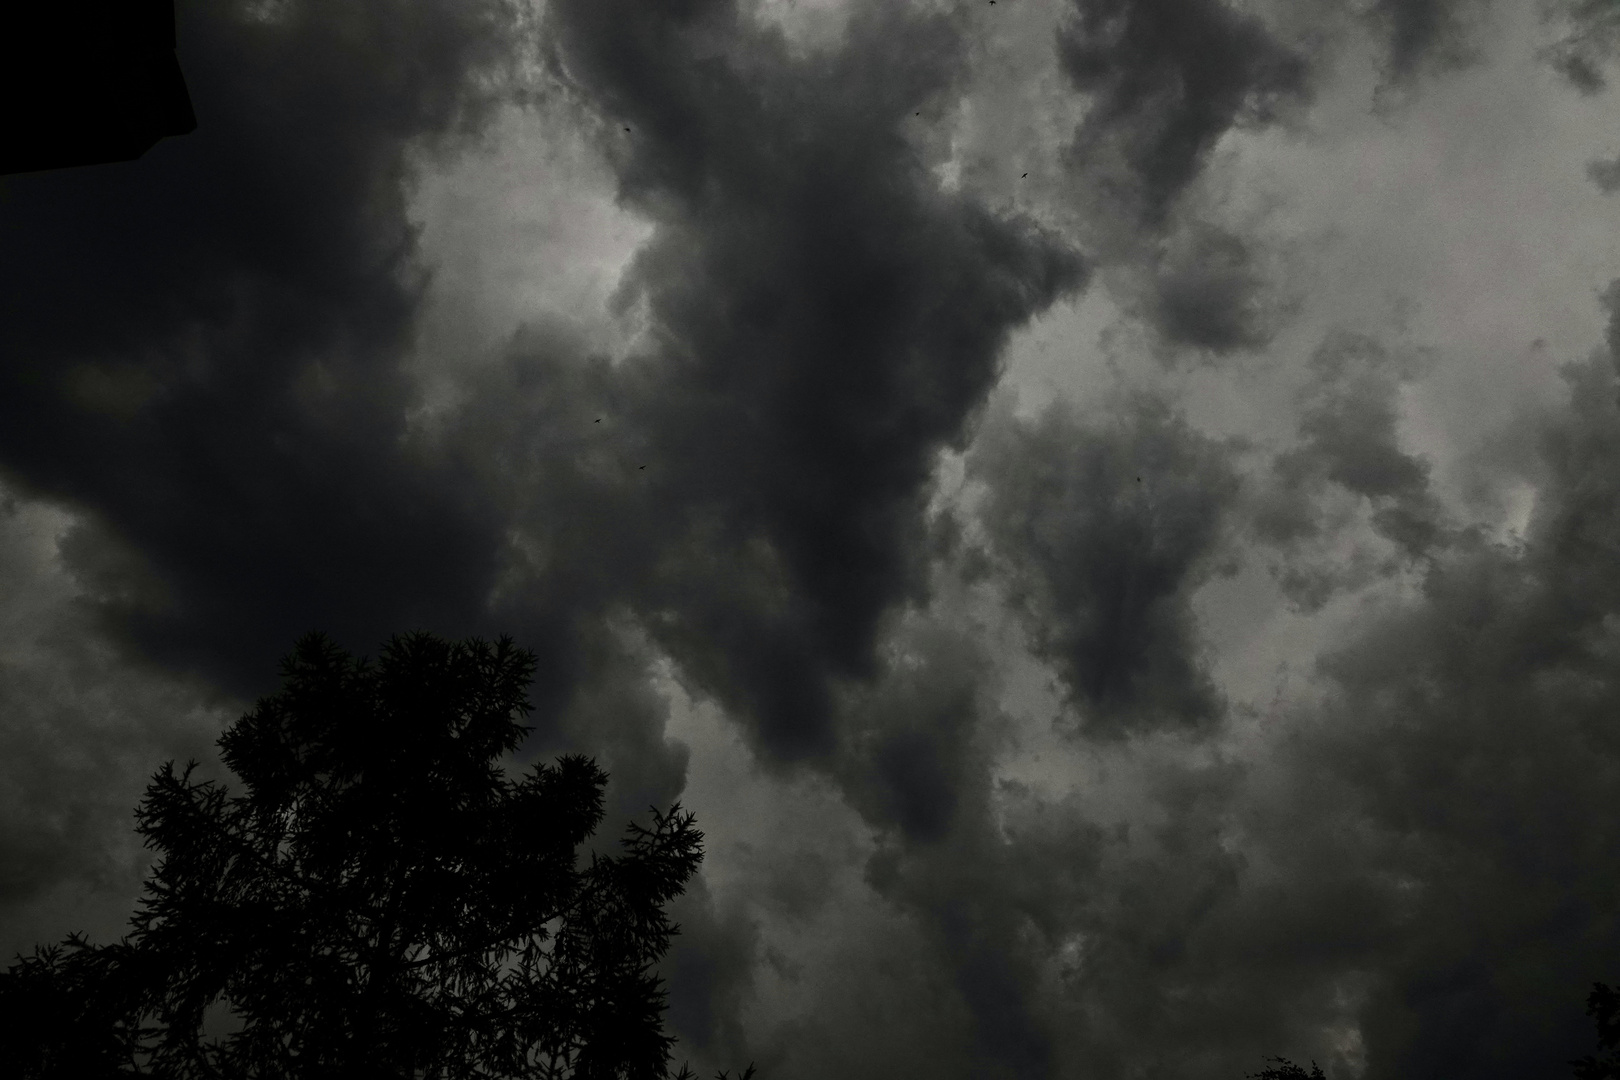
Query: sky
x: 1107, y: 510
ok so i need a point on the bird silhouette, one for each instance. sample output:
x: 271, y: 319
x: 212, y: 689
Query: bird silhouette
x: 598, y: 420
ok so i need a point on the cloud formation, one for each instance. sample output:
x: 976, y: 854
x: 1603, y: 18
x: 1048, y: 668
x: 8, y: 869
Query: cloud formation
x: 80, y: 732
x: 1168, y: 80
x: 822, y: 320
x: 1348, y: 469
x: 1164, y: 82
x: 202, y: 348
x: 1465, y: 727
x: 1425, y: 35
x: 1008, y: 819
x: 1591, y: 38
x: 1106, y: 531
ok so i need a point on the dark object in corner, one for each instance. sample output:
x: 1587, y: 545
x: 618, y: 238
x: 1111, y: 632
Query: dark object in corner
x: 85, y: 82
x: 1603, y: 1006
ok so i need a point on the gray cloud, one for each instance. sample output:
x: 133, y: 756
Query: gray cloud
x: 1590, y: 41
x: 81, y: 730
x: 1164, y: 82
x: 823, y: 319
x: 1349, y: 442
x: 1605, y: 174
x: 1211, y: 292
x: 709, y: 972
x: 1425, y: 35
x: 1610, y: 299
x: 1106, y: 530
x: 1467, y: 730
x: 1074, y: 948
x: 912, y: 739
x: 920, y: 767
x: 1409, y: 878
x: 1168, y: 79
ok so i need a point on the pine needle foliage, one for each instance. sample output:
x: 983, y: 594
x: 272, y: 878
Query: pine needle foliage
x: 381, y: 899
x: 1603, y: 1006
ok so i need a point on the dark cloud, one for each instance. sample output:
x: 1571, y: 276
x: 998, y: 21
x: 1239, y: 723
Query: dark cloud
x: 203, y: 361
x: 1168, y: 79
x: 1589, y: 43
x: 1164, y: 82
x: 1425, y: 35
x: 1349, y: 443
x: 618, y: 713
x: 1334, y: 883
x: 229, y: 424
x: 80, y: 733
x: 201, y: 348
x: 79, y: 742
x: 822, y: 320
x: 912, y: 744
x: 1470, y: 730
x: 1349, y: 430
x: 1212, y: 289
x: 709, y: 972
x: 1412, y: 877
x: 1610, y: 299
x: 1106, y: 530
x: 921, y: 769
x: 1605, y: 174
x: 1074, y: 947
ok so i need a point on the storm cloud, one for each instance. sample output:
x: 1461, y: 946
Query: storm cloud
x: 202, y: 347
x: 1092, y: 642
x: 822, y: 320
x: 1106, y: 531
x: 1348, y: 469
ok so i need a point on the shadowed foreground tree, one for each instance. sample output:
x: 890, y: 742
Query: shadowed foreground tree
x: 1283, y: 1069
x: 1603, y: 1006
x: 382, y: 899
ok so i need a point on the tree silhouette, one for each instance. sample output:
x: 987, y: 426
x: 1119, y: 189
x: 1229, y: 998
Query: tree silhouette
x: 1603, y: 1006
x: 381, y: 900
x: 1283, y: 1069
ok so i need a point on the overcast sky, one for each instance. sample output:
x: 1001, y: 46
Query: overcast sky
x: 1107, y: 510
